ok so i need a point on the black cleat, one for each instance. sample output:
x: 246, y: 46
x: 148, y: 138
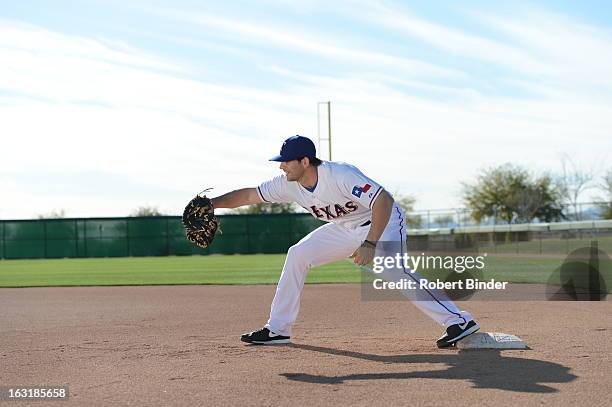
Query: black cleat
x: 455, y: 333
x: 264, y: 337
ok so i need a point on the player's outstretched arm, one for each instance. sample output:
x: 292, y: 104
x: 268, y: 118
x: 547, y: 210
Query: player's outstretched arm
x: 239, y: 197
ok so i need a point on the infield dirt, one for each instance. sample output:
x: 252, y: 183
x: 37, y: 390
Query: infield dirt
x: 179, y: 345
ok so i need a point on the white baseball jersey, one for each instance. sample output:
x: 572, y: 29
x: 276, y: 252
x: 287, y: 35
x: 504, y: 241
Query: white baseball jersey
x: 342, y: 195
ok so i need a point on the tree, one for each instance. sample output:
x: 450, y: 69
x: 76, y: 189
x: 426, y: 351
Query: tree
x: 264, y: 209
x: 512, y: 194
x: 146, y: 211
x: 406, y: 202
x: 572, y: 182
x: 54, y: 214
x: 526, y: 203
x: 606, y: 202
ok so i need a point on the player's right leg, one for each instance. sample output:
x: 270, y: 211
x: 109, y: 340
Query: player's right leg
x: 325, y: 244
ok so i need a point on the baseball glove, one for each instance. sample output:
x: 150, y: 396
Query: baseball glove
x: 200, y: 221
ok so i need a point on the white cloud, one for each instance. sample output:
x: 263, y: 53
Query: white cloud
x: 454, y: 41
x: 551, y: 53
x: 37, y: 41
x: 577, y: 54
x: 325, y: 47
x: 75, y: 105
x: 151, y: 126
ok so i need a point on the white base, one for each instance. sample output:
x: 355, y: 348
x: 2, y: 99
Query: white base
x: 491, y: 340
x: 277, y: 342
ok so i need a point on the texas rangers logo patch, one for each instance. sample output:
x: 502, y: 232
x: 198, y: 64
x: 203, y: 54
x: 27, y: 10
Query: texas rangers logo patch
x: 357, y: 190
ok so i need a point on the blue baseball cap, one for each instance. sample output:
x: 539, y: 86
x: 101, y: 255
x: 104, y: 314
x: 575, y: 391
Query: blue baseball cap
x: 294, y: 148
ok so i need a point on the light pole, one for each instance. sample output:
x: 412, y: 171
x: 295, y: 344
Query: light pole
x: 328, y: 138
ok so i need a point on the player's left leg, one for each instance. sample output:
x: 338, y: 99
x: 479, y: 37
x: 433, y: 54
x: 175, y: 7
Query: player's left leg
x: 433, y: 303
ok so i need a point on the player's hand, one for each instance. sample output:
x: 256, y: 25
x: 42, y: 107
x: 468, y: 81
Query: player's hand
x: 364, y: 254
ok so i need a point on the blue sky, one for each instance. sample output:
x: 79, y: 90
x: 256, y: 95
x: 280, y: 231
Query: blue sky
x: 108, y: 106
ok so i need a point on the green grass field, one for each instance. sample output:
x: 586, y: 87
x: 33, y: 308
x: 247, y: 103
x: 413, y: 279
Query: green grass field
x: 236, y: 269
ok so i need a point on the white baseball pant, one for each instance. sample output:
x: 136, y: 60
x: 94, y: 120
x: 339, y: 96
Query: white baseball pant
x: 332, y: 242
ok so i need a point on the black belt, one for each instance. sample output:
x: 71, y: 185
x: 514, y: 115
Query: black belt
x: 366, y: 223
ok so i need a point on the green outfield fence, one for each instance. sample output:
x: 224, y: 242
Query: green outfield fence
x: 250, y: 234
x: 147, y: 236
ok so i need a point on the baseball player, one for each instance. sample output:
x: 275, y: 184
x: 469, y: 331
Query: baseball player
x: 360, y: 214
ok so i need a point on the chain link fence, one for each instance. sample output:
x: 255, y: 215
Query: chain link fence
x: 526, y: 239
x: 462, y: 217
